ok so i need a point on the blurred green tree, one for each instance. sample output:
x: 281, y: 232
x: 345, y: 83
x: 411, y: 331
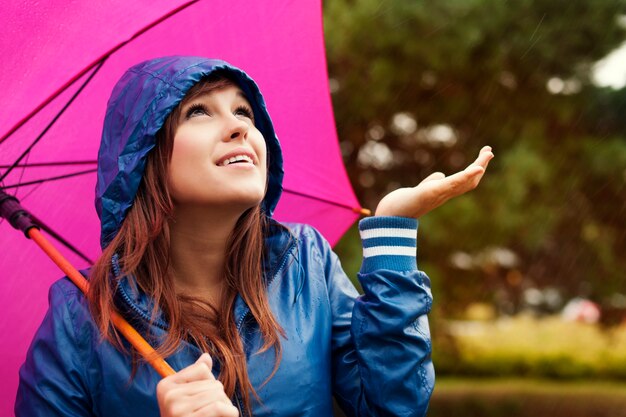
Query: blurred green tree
x: 420, y: 86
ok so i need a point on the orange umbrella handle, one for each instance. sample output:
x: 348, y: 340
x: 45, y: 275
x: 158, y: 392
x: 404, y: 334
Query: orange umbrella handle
x: 135, y: 339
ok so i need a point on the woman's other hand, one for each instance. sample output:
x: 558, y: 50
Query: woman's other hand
x: 194, y: 391
x: 435, y: 190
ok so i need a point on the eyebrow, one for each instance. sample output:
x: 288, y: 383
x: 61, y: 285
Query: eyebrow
x: 240, y: 94
x: 244, y: 96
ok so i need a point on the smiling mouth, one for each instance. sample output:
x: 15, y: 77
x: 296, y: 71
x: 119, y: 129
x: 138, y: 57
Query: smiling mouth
x: 238, y: 159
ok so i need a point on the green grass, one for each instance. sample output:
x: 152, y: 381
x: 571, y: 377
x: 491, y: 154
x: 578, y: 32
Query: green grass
x: 534, y: 386
x: 522, y: 397
x: 528, y: 347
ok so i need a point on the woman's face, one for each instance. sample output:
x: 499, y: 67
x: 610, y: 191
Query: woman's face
x: 219, y: 156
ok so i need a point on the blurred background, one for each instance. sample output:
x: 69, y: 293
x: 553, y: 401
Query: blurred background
x: 529, y: 269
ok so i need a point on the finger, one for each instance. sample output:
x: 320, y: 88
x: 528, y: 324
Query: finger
x: 182, y: 399
x: 434, y: 176
x: 484, y: 157
x: 213, y: 394
x: 196, y: 387
x: 206, y: 359
x: 174, y: 400
x: 471, y: 171
x: 214, y: 387
x: 217, y: 409
x: 467, y: 174
x: 463, y: 181
x: 198, y: 371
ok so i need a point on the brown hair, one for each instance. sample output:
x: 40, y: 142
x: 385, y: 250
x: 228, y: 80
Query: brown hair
x: 142, y: 245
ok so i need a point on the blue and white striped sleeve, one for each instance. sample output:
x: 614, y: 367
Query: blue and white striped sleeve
x: 383, y: 365
x: 388, y: 243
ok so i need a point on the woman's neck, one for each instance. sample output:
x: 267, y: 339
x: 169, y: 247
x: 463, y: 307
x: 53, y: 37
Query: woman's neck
x: 198, y: 238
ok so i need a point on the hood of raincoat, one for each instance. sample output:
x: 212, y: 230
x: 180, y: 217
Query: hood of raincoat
x: 139, y: 105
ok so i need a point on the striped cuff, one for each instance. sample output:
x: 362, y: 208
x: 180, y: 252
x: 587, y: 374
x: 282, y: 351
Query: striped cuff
x: 388, y: 243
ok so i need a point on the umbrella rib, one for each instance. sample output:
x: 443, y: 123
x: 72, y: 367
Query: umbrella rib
x: 53, y: 121
x: 324, y: 200
x: 21, y: 173
x: 60, y: 177
x: 51, y: 164
x: 74, y: 174
x: 60, y: 239
x: 90, y: 66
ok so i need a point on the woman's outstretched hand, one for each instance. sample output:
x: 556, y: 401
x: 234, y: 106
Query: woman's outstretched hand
x: 194, y: 391
x: 435, y: 190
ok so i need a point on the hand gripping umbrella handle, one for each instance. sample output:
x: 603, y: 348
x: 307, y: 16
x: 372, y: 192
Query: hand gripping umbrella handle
x: 11, y: 210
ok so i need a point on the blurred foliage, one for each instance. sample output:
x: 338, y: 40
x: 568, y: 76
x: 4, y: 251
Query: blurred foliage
x: 421, y: 86
x: 525, y: 346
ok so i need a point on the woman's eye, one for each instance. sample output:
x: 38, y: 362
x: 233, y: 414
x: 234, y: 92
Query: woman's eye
x: 196, y: 110
x: 245, y: 111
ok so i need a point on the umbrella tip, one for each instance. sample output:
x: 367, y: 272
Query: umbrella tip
x: 362, y: 211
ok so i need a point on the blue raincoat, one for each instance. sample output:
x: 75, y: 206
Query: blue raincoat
x: 371, y: 352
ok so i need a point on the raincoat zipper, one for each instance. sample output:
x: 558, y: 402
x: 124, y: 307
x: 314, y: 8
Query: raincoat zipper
x: 128, y: 301
x: 247, y: 311
x: 239, y: 405
x: 274, y: 275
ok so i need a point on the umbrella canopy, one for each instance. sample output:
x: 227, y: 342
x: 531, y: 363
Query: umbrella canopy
x: 60, y: 62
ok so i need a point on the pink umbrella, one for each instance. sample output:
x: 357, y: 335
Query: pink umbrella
x: 60, y: 62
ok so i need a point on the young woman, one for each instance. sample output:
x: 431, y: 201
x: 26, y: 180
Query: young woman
x: 257, y: 317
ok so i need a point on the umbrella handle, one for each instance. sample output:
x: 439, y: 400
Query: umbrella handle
x: 135, y: 339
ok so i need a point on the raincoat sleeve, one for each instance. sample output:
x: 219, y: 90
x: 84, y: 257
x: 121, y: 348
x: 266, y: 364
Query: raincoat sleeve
x: 381, y: 340
x: 52, y: 381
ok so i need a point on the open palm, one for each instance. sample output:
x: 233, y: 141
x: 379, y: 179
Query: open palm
x: 435, y: 190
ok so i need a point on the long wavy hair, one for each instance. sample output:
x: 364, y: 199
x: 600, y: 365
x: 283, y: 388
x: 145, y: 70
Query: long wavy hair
x: 143, y: 249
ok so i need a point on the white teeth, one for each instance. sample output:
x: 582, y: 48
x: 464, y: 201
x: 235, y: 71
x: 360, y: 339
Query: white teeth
x: 237, y: 158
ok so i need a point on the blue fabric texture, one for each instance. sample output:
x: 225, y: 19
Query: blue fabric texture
x: 371, y: 352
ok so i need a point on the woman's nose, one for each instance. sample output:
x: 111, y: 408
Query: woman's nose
x: 237, y: 130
